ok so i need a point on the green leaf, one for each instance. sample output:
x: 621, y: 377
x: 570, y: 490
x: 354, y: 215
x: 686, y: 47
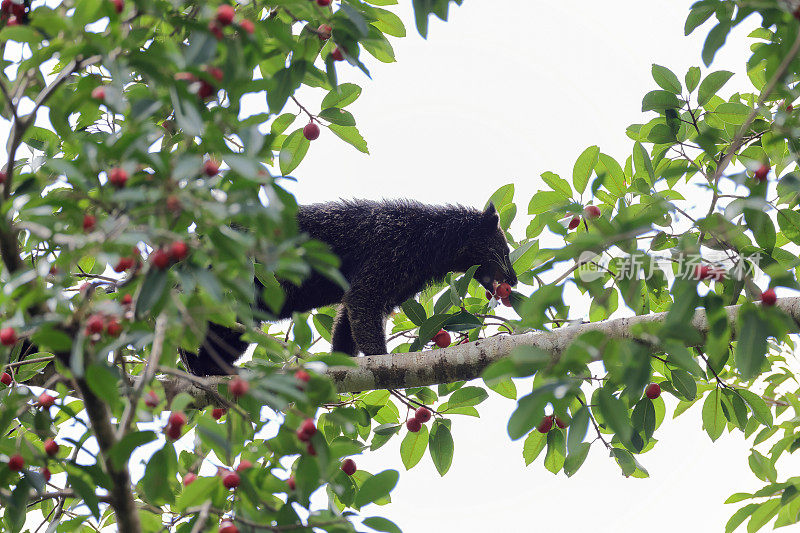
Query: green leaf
x: 692, y: 78
x: 379, y: 523
x: 467, y: 396
x: 761, y: 410
x: 160, y: 469
x: 504, y: 387
x: 615, y: 414
x: 413, y: 447
x: 666, y: 79
x: 789, y: 222
x: 577, y: 428
x: 711, y: 84
x: 558, y: 184
x: 716, y: 38
x: 389, y: 23
x: 350, y: 135
x: 576, y: 458
x: 121, y: 452
x: 533, y: 446
x: 660, y: 101
x: 751, y: 346
x: 441, y: 446
x: 153, y: 286
x: 583, y: 168
x: 615, y: 177
x: 697, y: 16
x: 762, y: 227
x: 334, y: 115
x: 293, y: 151
x: 714, y: 420
x: 544, y: 201
x: 431, y: 327
x: 740, y: 516
x: 376, y: 487
x: 556, y: 451
x: 344, y: 95
x: 414, y: 311
x: 644, y: 417
x: 684, y: 383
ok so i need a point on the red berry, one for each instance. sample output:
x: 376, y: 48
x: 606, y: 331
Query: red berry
x: 349, y: 467
x: 177, y: 418
x: 5, y: 379
x: 185, y: 76
x: 225, y: 14
x: 211, y: 167
x: 337, y: 54
x: 8, y: 336
x: 768, y: 297
x: 160, y: 259
x: 324, y: 32
x: 189, y: 478
x: 238, y: 387
x: 205, y: 90
x: 546, y: 424
x: 789, y: 107
x: 178, y: 251
x: 117, y: 177
x: 247, y: 26
x: 302, y: 375
x: 124, y: 264
x: 442, y: 339
x: 99, y: 93
x: 173, y: 432
x: 46, y: 401
x: 89, y: 222
x: 217, y: 413
x: 506, y: 301
x: 3, y: 177
x: 51, y: 447
x: 653, y: 391
x: 413, y: 425
x: 12, y: 21
x: 216, y: 30
x: 489, y: 295
x: 503, y: 290
x: 423, y: 414
x: 216, y: 73
x: 308, y: 427
x: 226, y: 526
x: 311, y: 131
x: 244, y: 464
x: 701, y: 272
x: 575, y: 222
x: 761, y: 172
x: 231, y: 480
x: 114, y: 328
x: 46, y: 474
x: 95, y: 324
x: 592, y: 211
x: 291, y: 482
x: 118, y: 5
x: 560, y: 423
x: 151, y: 399
x: 127, y: 299
x: 311, y: 450
x: 324, y: 3
x: 16, y: 463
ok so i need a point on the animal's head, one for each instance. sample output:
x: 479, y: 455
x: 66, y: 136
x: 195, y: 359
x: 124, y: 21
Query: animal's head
x: 489, y: 249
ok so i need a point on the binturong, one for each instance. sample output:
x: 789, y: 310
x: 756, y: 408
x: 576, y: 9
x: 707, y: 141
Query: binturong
x: 389, y: 251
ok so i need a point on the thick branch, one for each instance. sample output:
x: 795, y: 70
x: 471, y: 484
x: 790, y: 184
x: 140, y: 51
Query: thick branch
x: 467, y: 361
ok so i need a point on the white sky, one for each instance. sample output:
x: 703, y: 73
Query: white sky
x: 501, y: 93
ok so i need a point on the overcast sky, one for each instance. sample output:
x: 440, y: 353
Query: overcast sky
x: 499, y: 94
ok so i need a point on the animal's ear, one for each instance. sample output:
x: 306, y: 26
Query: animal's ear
x: 490, y: 217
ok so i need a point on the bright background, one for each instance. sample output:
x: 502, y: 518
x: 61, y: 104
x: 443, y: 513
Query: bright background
x: 499, y: 94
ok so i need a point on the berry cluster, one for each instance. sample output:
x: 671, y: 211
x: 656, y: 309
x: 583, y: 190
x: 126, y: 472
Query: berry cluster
x: 421, y: 415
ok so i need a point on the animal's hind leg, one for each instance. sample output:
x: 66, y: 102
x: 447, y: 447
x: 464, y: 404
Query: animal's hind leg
x: 342, y: 336
x: 367, y: 322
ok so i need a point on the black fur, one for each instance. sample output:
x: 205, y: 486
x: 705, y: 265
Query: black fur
x: 389, y: 252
